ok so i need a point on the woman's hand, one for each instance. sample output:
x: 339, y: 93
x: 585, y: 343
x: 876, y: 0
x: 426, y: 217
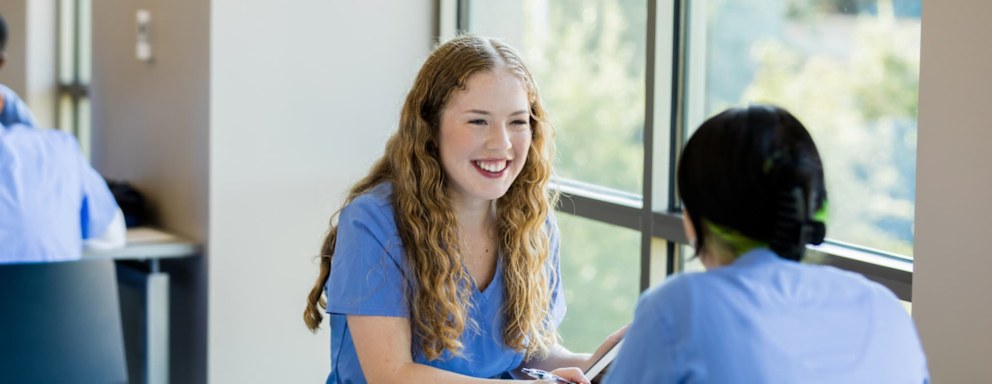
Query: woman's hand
x: 573, y: 374
x: 575, y: 363
x: 610, y: 341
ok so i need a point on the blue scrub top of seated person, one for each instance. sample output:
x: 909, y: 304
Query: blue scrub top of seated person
x: 50, y: 197
x: 764, y: 319
x: 14, y: 110
x: 367, y: 278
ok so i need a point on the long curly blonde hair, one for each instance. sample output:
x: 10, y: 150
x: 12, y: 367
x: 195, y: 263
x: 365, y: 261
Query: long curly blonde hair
x: 440, y: 298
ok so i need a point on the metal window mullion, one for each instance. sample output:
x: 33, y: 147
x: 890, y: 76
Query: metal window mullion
x: 665, y: 225
x: 891, y: 271
x: 63, y: 88
x: 677, y: 128
x: 462, y: 23
x: 76, y: 78
x: 75, y: 89
x: 647, y: 209
x: 599, y: 210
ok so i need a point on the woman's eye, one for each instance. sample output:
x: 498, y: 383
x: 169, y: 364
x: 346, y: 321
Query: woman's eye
x: 477, y: 122
x: 520, y: 123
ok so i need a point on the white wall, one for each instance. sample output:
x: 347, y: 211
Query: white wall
x: 952, y: 291
x: 303, y: 96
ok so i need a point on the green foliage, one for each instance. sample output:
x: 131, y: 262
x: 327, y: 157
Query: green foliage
x: 588, y: 58
x: 861, y: 110
x: 591, y: 76
x: 600, y: 265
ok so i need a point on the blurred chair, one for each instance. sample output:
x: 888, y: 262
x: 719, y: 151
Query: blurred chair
x: 61, y: 323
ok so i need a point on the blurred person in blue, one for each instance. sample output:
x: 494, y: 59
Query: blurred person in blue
x: 443, y: 265
x: 753, y: 193
x: 52, y: 202
x: 12, y: 108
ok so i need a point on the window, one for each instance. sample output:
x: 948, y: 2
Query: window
x: 849, y: 69
x: 74, y: 52
x: 588, y: 58
x: 626, y: 81
x: 600, y: 279
x: 600, y: 118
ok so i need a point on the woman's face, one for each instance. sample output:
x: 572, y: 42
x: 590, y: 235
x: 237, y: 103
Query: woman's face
x: 485, y: 135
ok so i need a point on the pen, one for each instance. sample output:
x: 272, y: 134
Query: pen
x: 544, y: 375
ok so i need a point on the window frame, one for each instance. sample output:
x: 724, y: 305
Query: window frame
x: 656, y: 214
x: 73, y: 88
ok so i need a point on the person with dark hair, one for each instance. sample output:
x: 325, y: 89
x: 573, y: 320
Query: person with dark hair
x: 53, y: 204
x: 12, y: 108
x: 753, y: 194
x: 443, y: 264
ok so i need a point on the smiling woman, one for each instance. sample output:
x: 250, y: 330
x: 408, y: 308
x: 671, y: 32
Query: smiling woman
x: 485, y: 131
x: 443, y: 265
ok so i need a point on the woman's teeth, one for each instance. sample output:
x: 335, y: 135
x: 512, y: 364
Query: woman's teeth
x: 492, y: 166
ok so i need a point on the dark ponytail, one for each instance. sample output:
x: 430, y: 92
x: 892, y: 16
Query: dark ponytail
x: 794, y: 225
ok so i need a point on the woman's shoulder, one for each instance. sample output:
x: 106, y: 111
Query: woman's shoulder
x: 847, y: 283
x: 378, y: 196
x: 675, y: 291
x: 375, y: 205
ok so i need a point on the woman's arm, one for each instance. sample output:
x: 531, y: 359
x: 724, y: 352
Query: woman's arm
x: 383, y: 348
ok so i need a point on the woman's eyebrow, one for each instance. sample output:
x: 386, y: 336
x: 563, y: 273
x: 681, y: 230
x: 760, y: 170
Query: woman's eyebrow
x: 484, y: 112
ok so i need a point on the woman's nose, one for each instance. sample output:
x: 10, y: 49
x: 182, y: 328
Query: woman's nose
x: 499, y: 137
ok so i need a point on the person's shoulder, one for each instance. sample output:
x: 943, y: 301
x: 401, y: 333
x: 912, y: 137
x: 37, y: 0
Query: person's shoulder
x: 60, y: 140
x: 372, y: 206
x: 680, y: 287
x: 8, y: 96
x: 842, y: 278
x: 6, y: 91
x: 846, y: 286
x: 377, y: 198
x: 51, y: 137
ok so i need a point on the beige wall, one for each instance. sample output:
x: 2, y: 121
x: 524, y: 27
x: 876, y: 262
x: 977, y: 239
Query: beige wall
x: 151, y: 120
x: 14, y: 72
x: 151, y: 127
x: 952, y: 291
x: 31, y: 55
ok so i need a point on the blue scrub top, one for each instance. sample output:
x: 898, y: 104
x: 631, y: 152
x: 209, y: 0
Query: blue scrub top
x: 50, y: 197
x: 367, y: 278
x: 764, y: 319
x: 14, y: 110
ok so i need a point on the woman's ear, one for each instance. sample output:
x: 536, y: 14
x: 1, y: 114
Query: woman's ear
x: 708, y: 261
x: 690, y: 231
